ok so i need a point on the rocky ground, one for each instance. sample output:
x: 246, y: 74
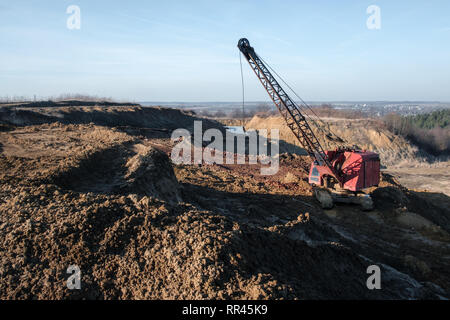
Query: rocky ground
x: 102, y: 193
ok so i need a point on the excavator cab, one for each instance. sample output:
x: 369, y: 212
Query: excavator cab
x: 359, y: 170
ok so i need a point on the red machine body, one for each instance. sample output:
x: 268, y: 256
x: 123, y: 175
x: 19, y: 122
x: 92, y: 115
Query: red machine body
x: 357, y: 169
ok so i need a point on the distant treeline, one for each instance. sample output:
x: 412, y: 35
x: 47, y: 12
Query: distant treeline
x: 431, y: 120
x: 61, y: 97
x: 430, y: 131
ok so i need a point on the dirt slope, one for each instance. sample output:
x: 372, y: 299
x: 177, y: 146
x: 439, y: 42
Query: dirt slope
x: 366, y: 134
x: 110, y: 201
x: 127, y: 117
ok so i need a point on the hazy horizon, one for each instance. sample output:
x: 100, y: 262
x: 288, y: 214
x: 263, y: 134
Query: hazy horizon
x: 315, y: 101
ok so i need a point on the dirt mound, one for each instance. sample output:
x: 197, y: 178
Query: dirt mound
x: 122, y: 169
x: 150, y: 173
x: 129, y: 118
x: 414, y: 209
x: 366, y: 134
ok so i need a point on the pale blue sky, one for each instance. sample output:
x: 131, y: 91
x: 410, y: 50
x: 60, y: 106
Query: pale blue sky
x: 186, y: 50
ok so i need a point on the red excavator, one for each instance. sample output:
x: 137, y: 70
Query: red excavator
x: 338, y: 175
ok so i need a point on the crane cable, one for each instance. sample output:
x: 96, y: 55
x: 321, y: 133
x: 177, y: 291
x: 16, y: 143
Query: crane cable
x: 289, y: 87
x: 327, y: 134
x: 323, y: 127
x: 243, y: 93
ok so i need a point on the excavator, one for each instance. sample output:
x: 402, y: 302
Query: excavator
x: 339, y: 175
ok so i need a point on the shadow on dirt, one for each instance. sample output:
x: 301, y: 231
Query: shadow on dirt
x: 275, y: 243
x: 307, y: 257
x: 261, y: 208
x: 124, y: 169
x: 6, y: 127
x: 297, y: 270
x: 99, y: 172
x: 434, y: 207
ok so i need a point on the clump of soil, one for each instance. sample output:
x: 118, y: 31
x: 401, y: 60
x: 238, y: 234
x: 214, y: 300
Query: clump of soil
x: 150, y: 173
x: 290, y: 178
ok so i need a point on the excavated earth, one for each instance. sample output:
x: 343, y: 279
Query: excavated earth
x: 80, y: 186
